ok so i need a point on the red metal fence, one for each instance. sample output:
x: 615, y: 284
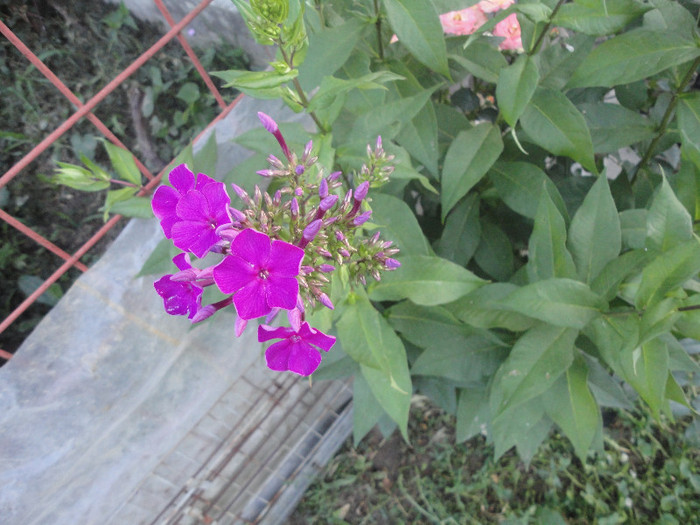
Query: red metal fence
x: 85, y: 111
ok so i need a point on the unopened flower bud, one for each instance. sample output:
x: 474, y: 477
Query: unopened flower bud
x: 344, y: 252
x: 311, y: 230
x: 299, y: 170
x: 362, y: 218
x: 326, y: 268
x: 268, y: 123
x: 240, y: 192
x: 326, y: 301
x: 277, y: 199
x: 323, y: 189
x: 334, y: 176
x: 307, y: 149
x: 299, y: 192
x: 361, y: 191
x: 294, y: 207
x: 328, y: 202
x: 339, y: 235
x: 237, y: 215
x: 391, y: 264
x: 324, y: 253
x: 275, y: 162
x: 306, y: 269
x: 264, y: 173
x: 239, y: 326
x: 187, y: 275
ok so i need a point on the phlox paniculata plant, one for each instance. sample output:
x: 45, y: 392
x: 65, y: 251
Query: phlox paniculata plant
x: 278, y: 253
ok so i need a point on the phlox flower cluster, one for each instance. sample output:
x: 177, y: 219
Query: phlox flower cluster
x: 277, y: 253
x: 467, y: 21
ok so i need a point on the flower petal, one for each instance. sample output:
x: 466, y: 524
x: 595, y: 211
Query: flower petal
x: 250, y: 300
x: 265, y: 332
x: 218, y: 201
x: 233, y: 273
x: 285, y: 259
x: 203, y: 180
x: 193, y: 207
x: 194, y: 236
x: 316, y: 337
x: 277, y: 356
x: 282, y: 292
x: 252, y: 246
x: 181, y: 178
x: 303, y: 359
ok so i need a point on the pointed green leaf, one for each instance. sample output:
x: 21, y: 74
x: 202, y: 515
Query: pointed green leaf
x: 255, y: 80
x: 547, y: 253
x: 614, y: 127
x: 482, y: 309
x: 516, y: 85
x: 599, y: 17
x: 689, y: 125
x: 668, y: 222
x: 428, y: 326
x: 366, y: 409
x: 398, y: 223
x: 561, y: 302
x: 645, y: 368
x: 520, y: 185
x: 633, y: 56
x: 332, y: 87
x: 667, y: 272
x: 418, y: 27
x: 469, y: 157
x: 608, y: 281
x: 605, y: 388
x: 573, y: 408
x: 594, y: 235
x: 482, y: 60
x: 613, y: 335
x: 523, y: 426
x: 425, y: 280
x: 472, y: 413
x: 462, y: 231
x: 537, y: 360
x: 123, y: 163
x: 633, y: 228
x: 553, y: 122
x: 328, y: 51
x: 494, y: 254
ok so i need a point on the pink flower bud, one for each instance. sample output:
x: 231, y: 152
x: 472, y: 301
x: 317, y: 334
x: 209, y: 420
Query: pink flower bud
x: 237, y: 215
x: 339, y: 235
x: 328, y: 202
x: 361, y: 191
x: 239, y: 326
x: 344, y: 252
x: 299, y: 170
x: 311, y: 230
x: 307, y: 148
x: 267, y: 121
x: 362, y: 218
x: 326, y: 268
x: 323, y: 189
x: 392, y: 264
x: 326, y: 301
x: 274, y: 161
x: 334, y: 176
x: 264, y: 173
x: 379, y: 142
x: 294, y: 207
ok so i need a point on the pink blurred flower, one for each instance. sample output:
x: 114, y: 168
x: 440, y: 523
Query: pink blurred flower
x: 463, y: 22
x: 509, y: 28
x: 491, y: 6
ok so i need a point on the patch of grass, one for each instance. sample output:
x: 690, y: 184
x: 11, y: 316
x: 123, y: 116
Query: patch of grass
x: 86, y: 43
x: 647, y: 474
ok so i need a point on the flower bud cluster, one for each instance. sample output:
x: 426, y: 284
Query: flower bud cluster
x: 279, y: 251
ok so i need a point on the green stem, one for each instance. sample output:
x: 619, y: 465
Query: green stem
x: 123, y: 183
x: 378, y: 25
x: 666, y: 118
x: 542, y: 34
x: 689, y: 308
x: 297, y: 86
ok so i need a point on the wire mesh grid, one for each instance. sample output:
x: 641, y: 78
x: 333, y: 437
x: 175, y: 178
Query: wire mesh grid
x: 84, y: 110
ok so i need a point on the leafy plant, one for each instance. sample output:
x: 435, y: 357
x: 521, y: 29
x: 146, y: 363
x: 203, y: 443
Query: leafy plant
x: 546, y: 208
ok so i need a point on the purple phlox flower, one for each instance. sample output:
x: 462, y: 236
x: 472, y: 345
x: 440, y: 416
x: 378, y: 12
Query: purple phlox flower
x: 298, y: 351
x: 334, y: 176
x: 265, y: 173
x: 299, y: 170
x: 328, y: 202
x: 362, y: 218
x: 361, y: 191
x: 310, y: 232
x: 239, y: 326
x: 166, y: 198
x: 261, y: 273
x: 295, y: 317
x: 326, y: 268
x: 326, y: 301
x: 271, y: 126
x: 201, y: 212
x: 242, y: 194
x: 180, y: 297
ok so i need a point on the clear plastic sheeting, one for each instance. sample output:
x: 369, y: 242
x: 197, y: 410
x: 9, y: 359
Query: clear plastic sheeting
x: 114, y: 412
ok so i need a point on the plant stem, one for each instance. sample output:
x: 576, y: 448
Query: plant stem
x: 666, y: 118
x: 297, y: 86
x: 540, y: 38
x: 123, y: 183
x: 378, y: 25
x: 689, y: 308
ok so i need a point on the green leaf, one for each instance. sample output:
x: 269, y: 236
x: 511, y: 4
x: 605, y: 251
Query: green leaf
x: 78, y: 178
x: 524, y: 426
x: 469, y: 157
x: 115, y: 196
x: 573, y: 408
x: 161, y: 259
x: 632, y: 56
x: 189, y: 93
x: 594, y: 235
x: 418, y: 27
x: 599, y: 17
x: 388, y: 119
x: 608, y: 281
x: 537, y: 360
x: 250, y: 81
x: 645, y: 368
x: 482, y: 60
x: 425, y: 280
x: 516, y: 85
x: 667, y: 272
x: 420, y: 137
x: 613, y: 335
x: 328, y: 51
x: 28, y: 284
x: 366, y: 409
x: 462, y: 231
x: 123, y: 163
x: 520, y: 185
x: 553, y: 122
x: 557, y: 63
x: 614, y: 127
x: 633, y: 228
x: 403, y: 167
x: 494, y: 255
x: 136, y: 207
x: 668, y: 222
x: 688, y: 111
x: 482, y: 308
x: 398, y: 223
x: 547, y: 253
x: 605, y: 388
x: 332, y: 87
x: 560, y: 302
x: 473, y: 414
